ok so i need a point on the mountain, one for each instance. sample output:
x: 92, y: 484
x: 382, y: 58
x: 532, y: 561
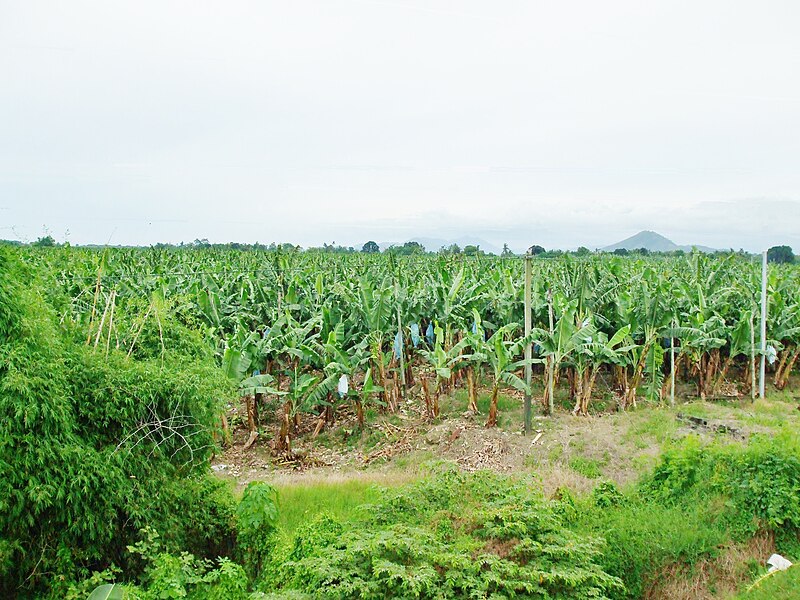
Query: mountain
x: 654, y: 242
x: 433, y: 244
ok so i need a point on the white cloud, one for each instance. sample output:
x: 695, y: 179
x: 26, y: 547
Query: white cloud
x: 573, y: 123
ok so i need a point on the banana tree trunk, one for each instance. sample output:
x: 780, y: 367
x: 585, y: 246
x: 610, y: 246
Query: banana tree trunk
x: 723, y: 373
x: 283, y: 443
x: 360, y: 413
x: 781, y: 363
x: 578, y: 381
x: 252, y: 413
x: 630, y: 392
x: 427, y: 395
x: 590, y: 377
x: 546, y: 382
x: 787, y: 369
x: 492, y: 420
x: 472, y: 396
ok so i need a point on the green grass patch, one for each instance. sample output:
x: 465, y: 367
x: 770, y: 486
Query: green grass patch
x: 781, y: 585
x: 298, y: 504
x: 652, y: 426
x: 588, y: 467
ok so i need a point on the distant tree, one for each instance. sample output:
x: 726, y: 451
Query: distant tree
x: 471, y: 250
x: 370, y: 247
x: 506, y: 253
x: 642, y: 251
x: 536, y: 250
x: 407, y: 249
x: 582, y: 251
x: 621, y: 252
x: 204, y: 243
x: 45, y: 242
x: 780, y: 254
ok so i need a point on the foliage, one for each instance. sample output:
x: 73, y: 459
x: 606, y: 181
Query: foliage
x: 370, y: 247
x: 167, y: 575
x: 780, y: 254
x: 449, y: 536
x: 95, y: 447
x: 257, y: 514
x: 760, y: 482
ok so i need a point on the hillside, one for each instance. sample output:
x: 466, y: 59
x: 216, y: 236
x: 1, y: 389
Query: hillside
x: 654, y: 242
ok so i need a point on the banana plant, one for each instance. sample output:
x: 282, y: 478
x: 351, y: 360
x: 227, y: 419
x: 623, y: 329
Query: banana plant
x: 500, y: 354
x: 443, y: 362
x: 592, y: 349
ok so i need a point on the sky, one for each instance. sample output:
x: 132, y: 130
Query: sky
x: 556, y: 123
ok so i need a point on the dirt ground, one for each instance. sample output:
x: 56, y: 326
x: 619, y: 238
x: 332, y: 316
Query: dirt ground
x: 562, y: 450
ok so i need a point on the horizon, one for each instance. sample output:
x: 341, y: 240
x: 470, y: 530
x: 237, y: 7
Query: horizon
x: 357, y: 120
x: 383, y: 246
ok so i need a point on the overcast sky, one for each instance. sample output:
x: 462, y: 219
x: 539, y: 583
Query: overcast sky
x: 559, y: 123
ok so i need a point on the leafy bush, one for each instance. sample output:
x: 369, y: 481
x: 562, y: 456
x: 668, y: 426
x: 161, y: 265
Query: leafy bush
x: 451, y: 535
x: 759, y: 483
x: 257, y: 517
x: 94, y: 448
x: 606, y: 494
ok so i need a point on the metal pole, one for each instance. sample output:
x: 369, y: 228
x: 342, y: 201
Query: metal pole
x: 752, y: 356
x: 761, y: 391
x: 528, y: 346
x: 551, y: 370
x: 672, y: 363
x: 402, y: 345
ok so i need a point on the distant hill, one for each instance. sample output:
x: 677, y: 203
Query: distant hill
x: 654, y: 242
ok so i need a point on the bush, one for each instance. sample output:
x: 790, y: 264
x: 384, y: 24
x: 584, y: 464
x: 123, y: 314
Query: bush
x: 94, y: 448
x: 758, y: 483
x: 450, y: 535
x: 257, y: 518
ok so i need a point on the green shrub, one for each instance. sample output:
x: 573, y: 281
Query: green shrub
x: 451, y: 535
x: 257, y: 514
x: 93, y: 448
x: 759, y: 483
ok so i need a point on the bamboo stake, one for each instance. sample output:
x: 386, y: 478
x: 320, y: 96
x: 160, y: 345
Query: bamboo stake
x: 94, y: 304
x: 102, y: 322
x: 111, y: 319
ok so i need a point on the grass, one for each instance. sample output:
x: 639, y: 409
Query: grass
x: 588, y: 467
x: 300, y: 502
x: 654, y: 425
x: 782, y: 585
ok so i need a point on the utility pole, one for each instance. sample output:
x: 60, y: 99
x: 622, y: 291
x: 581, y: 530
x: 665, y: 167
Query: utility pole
x: 528, y: 344
x: 761, y: 391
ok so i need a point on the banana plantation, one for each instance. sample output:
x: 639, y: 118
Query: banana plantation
x: 321, y: 333
x: 125, y: 372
